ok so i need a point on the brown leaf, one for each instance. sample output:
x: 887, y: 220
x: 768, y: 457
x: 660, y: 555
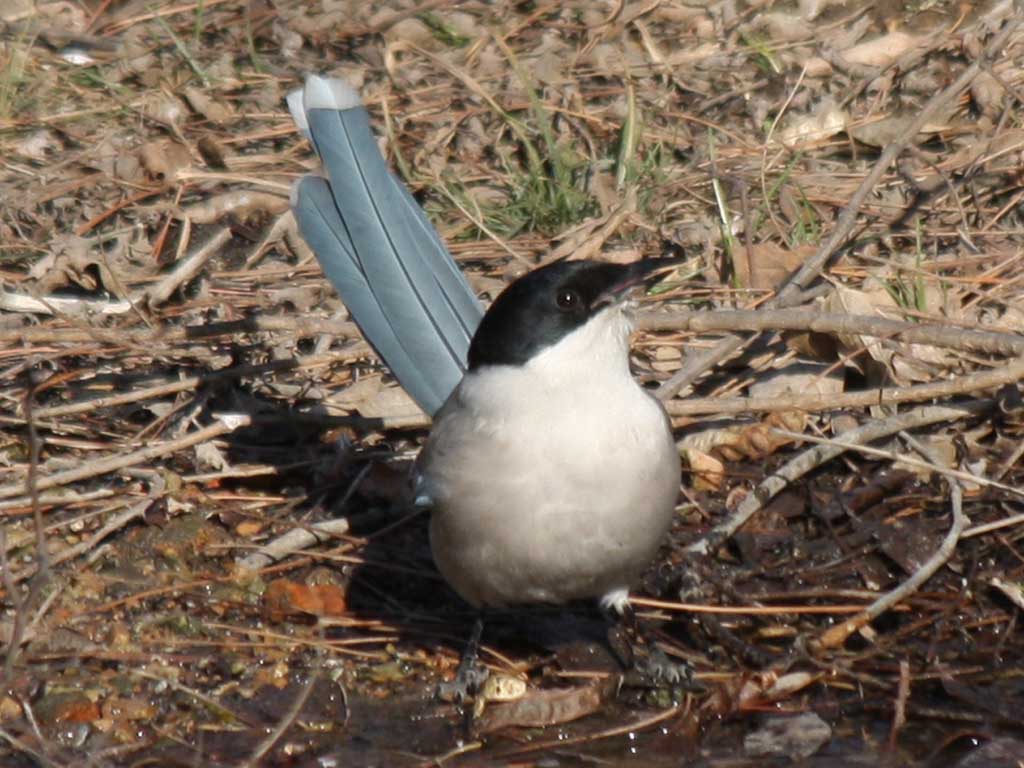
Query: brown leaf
x: 889, y: 128
x: 214, y: 111
x: 67, y: 707
x: 766, y: 265
x: 826, y: 121
x: 163, y: 158
x: 770, y: 686
x: 882, y: 51
x: 10, y: 709
x: 909, y: 541
x: 751, y: 441
x: 708, y: 472
x: 249, y: 528
x: 542, y: 708
x: 285, y: 598
x: 798, y: 379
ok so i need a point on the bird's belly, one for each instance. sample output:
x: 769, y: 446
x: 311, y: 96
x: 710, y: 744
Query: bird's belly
x: 556, y: 518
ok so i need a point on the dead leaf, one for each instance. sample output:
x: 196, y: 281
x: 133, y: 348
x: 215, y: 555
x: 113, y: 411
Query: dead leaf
x: 815, y: 66
x: 586, y: 239
x: 798, y: 379
x: 289, y: 41
x: 539, y: 709
x: 765, y: 266
x: 791, y: 737
x: 66, y: 707
x: 63, y: 15
x: 372, y: 399
x: 708, y: 472
x: 117, y: 708
x: 77, y: 261
x: 212, y: 152
x: 988, y: 94
x: 747, y: 440
x: 1013, y: 590
x: 666, y: 358
x: 882, y: 51
x: 209, y: 455
x: 768, y: 687
x: 904, y: 362
x: 10, y: 709
x: 783, y: 27
x: 216, y: 112
x: 163, y: 158
x: 885, y: 130
x: 826, y: 121
x: 909, y: 541
x: 165, y: 109
x: 38, y: 145
x: 284, y: 598
x: 878, y: 303
x: 410, y: 31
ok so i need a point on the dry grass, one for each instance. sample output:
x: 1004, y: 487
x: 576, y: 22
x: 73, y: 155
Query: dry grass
x: 180, y: 385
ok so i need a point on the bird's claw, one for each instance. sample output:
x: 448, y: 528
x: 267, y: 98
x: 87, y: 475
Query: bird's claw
x: 468, y: 682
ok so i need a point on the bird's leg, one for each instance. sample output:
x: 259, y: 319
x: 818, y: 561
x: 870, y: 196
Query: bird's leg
x: 640, y: 655
x: 471, y: 674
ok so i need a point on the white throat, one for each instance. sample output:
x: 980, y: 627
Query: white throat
x: 597, y: 351
x: 583, y: 377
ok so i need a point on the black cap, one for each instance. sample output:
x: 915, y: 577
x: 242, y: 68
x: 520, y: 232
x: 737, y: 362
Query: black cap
x: 545, y: 305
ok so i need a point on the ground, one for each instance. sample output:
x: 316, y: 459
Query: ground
x: 181, y: 386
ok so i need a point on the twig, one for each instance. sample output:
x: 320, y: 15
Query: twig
x: 892, y: 456
x: 938, y: 335
x: 295, y: 540
x: 225, y: 423
x: 837, y: 635
x: 22, y: 604
x: 63, y: 498
x: 899, y: 714
x: 191, y: 383
x: 209, y: 701
x: 814, y: 457
x: 19, y: 745
x: 299, y: 539
x: 977, y: 382
x: 747, y: 610
x: 995, y: 525
x: 186, y: 384
x: 187, y: 269
x: 562, y: 742
x: 115, y: 524
x: 284, y: 724
x: 60, y: 305
x: 33, y: 484
x: 297, y: 325
x: 705, y: 321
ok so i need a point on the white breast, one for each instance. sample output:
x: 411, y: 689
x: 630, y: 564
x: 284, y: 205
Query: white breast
x: 551, y: 481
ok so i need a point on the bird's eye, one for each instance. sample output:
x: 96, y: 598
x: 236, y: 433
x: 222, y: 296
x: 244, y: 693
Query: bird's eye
x: 567, y: 299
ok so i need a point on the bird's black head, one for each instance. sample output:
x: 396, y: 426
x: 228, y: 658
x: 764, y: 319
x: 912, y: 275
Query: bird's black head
x: 545, y: 305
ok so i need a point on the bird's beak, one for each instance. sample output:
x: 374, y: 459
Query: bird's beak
x: 637, y: 275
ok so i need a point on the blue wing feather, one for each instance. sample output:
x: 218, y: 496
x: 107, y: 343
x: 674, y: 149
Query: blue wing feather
x: 376, y: 246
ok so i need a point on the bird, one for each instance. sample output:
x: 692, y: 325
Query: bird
x: 551, y: 475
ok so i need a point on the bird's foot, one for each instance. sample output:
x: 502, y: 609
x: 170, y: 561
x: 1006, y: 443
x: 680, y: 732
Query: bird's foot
x: 471, y: 674
x: 468, y: 683
x: 645, y: 664
x: 654, y: 669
